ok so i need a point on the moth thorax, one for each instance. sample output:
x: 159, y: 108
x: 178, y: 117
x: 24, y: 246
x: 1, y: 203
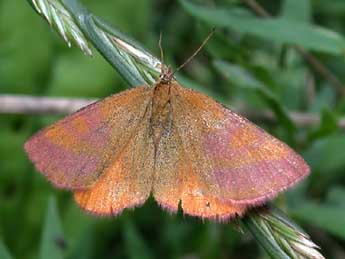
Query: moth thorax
x: 161, y: 110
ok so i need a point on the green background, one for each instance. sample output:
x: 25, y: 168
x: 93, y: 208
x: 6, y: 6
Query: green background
x: 248, y: 63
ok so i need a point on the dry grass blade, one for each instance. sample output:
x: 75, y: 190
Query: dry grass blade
x: 54, y: 12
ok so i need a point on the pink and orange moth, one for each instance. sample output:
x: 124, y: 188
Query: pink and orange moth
x: 180, y: 145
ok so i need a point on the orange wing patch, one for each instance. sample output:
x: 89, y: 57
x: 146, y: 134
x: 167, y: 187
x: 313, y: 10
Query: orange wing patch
x: 196, y: 200
x: 177, y: 182
x: 127, y: 182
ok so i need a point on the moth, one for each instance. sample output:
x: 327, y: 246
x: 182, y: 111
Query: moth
x: 178, y: 144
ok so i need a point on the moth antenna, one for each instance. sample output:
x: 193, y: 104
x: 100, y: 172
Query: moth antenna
x: 161, y: 49
x: 196, y: 52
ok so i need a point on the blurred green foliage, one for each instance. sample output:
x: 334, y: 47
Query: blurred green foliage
x: 248, y: 62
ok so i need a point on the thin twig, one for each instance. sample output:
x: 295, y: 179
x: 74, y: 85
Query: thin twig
x: 22, y: 104
x: 257, y: 8
x: 322, y: 70
x: 311, y: 59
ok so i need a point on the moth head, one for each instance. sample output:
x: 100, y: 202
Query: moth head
x: 167, y: 75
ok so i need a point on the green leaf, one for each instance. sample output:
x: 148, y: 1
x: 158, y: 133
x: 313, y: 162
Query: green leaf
x: 80, y: 229
x: 326, y: 216
x: 210, y: 241
x: 243, y: 78
x: 336, y: 196
x: 135, y: 244
x: 337, y: 8
x: 11, y: 151
x: 327, y: 156
x: 325, y: 98
x: 299, y: 10
x: 24, y: 39
x: 52, y: 237
x: 4, y: 253
x: 292, y: 88
x: 76, y: 76
x: 278, y: 30
x: 328, y: 125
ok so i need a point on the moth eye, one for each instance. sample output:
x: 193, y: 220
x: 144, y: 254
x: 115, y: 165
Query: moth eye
x: 208, y: 204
